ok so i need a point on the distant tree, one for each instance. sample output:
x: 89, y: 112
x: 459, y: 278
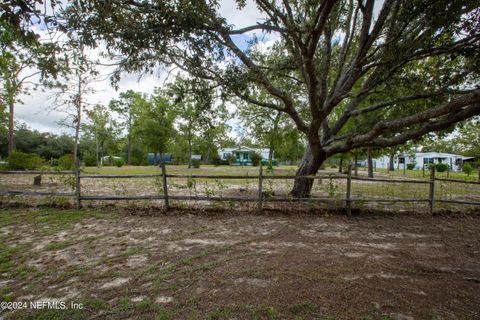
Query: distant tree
x: 214, y: 136
x: 101, y: 128
x: 291, y: 145
x: 197, y: 112
x: 20, y: 71
x: 264, y: 126
x: 26, y: 59
x: 126, y: 106
x: 46, y: 145
x: 154, y: 125
x: 72, y: 97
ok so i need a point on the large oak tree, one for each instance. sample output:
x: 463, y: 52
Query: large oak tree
x: 412, y: 65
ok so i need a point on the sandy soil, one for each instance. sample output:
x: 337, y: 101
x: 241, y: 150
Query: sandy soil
x: 195, y: 264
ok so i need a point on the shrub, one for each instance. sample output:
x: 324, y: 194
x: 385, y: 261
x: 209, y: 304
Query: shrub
x: 467, y: 168
x: 196, y: 163
x: 441, y: 167
x: 231, y: 159
x: 216, y: 160
x: 90, y: 160
x: 410, y: 166
x: 256, y: 158
x: 118, y: 163
x: 24, y: 161
x: 65, y: 162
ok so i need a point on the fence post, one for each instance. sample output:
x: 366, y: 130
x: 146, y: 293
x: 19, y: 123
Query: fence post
x: 78, y: 204
x: 165, y: 186
x: 349, y: 191
x: 431, y: 197
x: 260, y: 192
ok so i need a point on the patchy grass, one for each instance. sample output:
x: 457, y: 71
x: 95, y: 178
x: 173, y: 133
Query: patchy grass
x: 6, y: 255
x: 242, y: 266
x: 51, y: 217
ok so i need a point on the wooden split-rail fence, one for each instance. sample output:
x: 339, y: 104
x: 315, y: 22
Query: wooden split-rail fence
x: 349, y: 200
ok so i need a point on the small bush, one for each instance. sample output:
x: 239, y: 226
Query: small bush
x: 231, y: 159
x: 90, y: 160
x: 196, y: 163
x: 118, y: 163
x: 410, y: 166
x: 441, y: 167
x: 256, y: 158
x: 65, y: 162
x: 24, y: 161
x: 216, y: 160
x: 467, y: 168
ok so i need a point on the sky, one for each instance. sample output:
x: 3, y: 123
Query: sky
x: 36, y: 108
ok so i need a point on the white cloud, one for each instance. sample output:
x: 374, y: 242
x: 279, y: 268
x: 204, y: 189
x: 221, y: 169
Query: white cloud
x: 248, y: 16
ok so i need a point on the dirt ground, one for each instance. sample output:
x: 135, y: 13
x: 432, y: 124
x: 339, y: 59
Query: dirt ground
x: 191, y: 264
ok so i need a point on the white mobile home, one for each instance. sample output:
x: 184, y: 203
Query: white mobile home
x: 420, y: 159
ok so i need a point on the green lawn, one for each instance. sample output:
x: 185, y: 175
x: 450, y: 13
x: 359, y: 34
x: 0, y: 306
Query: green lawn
x: 183, y: 169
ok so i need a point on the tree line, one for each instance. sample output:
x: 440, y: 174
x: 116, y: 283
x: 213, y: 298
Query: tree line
x: 179, y: 119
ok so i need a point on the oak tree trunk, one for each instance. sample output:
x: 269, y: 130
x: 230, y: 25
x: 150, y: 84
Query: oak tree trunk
x: 356, y: 164
x: 310, y: 165
x: 97, y: 151
x: 370, y: 163
x: 391, y: 166
x: 340, y: 166
x: 78, y: 118
x: 270, y: 156
x: 11, y: 142
x: 129, y: 150
x: 190, y: 144
x: 129, y: 136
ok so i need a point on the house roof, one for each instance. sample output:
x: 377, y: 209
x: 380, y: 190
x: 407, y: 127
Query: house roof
x: 242, y: 148
x: 434, y: 154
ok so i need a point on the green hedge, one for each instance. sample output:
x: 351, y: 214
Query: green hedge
x: 65, y: 162
x: 442, y: 167
x: 118, y: 162
x: 24, y: 161
x: 90, y: 160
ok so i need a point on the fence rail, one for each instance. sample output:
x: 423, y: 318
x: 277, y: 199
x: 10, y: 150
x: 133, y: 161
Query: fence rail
x: 261, y: 198
x: 37, y: 172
